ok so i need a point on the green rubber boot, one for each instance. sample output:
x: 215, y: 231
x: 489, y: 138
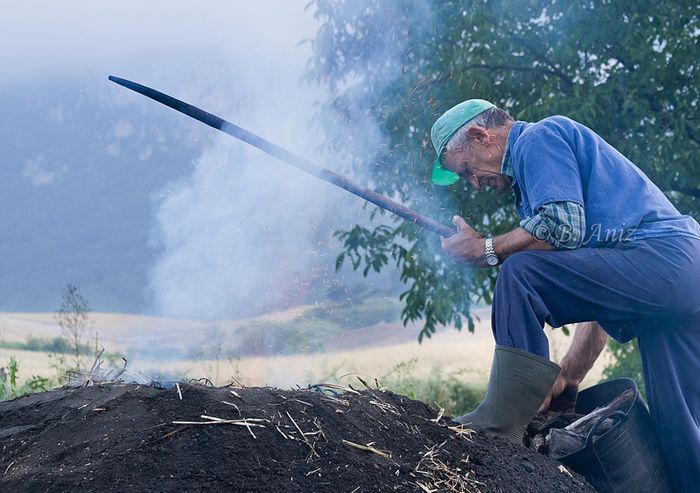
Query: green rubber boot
x: 518, y: 384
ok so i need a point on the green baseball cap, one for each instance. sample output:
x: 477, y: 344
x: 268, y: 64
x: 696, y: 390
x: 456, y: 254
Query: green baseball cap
x: 445, y: 127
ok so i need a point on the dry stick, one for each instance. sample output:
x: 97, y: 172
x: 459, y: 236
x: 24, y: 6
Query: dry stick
x: 179, y: 393
x: 335, y: 400
x: 440, y: 413
x: 218, y: 421
x: 237, y: 422
x: 241, y: 422
x: 378, y: 421
x: 441, y: 477
x: 461, y: 431
x: 281, y: 432
x: 250, y: 431
x: 320, y: 429
x: 249, y: 420
x: 145, y: 444
x: 295, y: 400
x: 232, y: 404
x: 313, y: 433
x: 363, y: 382
x: 237, y: 382
x: 367, y: 449
x: 565, y: 470
x: 313, y: 450
x: 172, y: 433
x: 424, y: 487
x: 156, y: 426
x: 95, y: 364
x: 8, y: 467
x: 121, y: 371
x: 384, y: 406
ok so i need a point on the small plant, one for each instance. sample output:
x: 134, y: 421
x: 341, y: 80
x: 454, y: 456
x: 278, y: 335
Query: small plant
x: 446, y: 391
x: 9, y: 389
x: 74, y: 320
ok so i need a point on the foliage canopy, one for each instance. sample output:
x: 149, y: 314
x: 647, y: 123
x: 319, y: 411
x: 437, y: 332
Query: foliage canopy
x: 627, y: 69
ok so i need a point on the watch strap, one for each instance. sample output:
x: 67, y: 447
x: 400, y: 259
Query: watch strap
x: 490, y: 254
x: 488, y: 247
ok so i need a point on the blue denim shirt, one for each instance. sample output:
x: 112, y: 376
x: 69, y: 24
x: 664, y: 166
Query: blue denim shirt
x: 560, y: 160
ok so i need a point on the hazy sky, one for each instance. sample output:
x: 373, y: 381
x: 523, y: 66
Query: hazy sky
x: 45, y: 39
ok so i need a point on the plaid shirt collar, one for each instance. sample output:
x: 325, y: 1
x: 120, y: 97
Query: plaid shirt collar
x: 507, y: 163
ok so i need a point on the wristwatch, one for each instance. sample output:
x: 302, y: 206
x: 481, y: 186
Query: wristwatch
x: 491, y: 257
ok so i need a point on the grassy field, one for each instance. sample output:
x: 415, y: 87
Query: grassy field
x: 175, y: 349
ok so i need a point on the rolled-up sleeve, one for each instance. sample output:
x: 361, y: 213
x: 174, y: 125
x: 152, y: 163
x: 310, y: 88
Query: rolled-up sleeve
x: 561, y: 224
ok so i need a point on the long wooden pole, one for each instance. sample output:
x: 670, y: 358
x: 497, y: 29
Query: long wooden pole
x: 288, y: 157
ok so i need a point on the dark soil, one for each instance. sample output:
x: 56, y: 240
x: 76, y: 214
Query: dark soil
x: 121, y: 437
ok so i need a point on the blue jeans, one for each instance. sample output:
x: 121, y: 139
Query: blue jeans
x: 649, y: 289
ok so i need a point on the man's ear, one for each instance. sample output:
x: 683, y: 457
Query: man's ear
x: 479, y: 134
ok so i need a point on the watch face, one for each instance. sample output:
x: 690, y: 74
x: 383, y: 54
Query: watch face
x: 492, y: 259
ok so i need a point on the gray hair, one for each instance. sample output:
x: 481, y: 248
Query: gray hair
x: 491, y: 118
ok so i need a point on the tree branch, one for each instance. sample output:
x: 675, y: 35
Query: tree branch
x: 541, y: 57
x: 487, y: 66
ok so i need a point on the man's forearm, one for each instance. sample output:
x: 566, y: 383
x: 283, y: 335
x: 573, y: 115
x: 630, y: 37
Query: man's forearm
x: 588, y: 341
x: 517, y: 240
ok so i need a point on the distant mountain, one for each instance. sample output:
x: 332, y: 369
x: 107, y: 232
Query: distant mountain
x: 78, y: 173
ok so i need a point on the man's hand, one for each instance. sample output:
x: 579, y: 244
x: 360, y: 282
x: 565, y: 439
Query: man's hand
x: 588, y: 341
x: 466, y: 245
x: 562, y: 397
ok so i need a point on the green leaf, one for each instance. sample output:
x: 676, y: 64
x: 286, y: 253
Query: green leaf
x: 339, y: 261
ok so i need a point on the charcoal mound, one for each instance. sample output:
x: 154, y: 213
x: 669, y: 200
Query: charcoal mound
x: 119, y: 437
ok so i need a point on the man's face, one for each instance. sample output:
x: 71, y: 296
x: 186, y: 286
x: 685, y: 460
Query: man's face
x: 480, y: 163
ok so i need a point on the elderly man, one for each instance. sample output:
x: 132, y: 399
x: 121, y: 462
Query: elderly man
x: 597, y: 241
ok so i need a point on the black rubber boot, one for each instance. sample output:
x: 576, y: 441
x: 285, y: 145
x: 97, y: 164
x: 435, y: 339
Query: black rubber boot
x: 518, y: 385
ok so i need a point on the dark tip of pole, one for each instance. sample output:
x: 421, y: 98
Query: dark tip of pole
x: 129, y: 84
x: 122, y: 82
